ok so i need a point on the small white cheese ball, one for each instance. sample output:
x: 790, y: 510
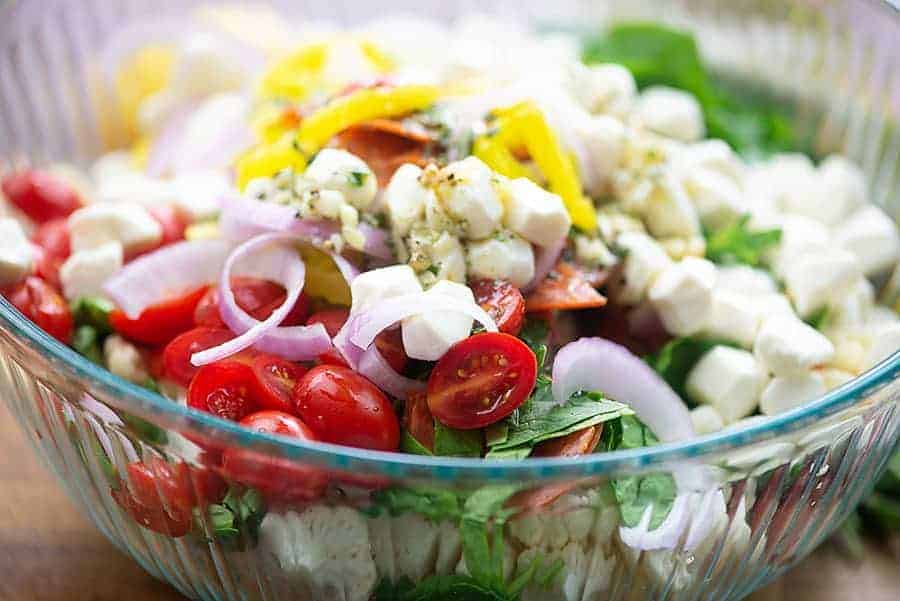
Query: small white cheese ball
x: 644, y: 260
x: 706, y: 419
x: 127, y: 223
x: 814, y: 278
x: 431, y: 334
x: 787, y: 392
x: 370, y: 287
x: 84, y: 273
x: 872, y: 238
x: 609, y: 88
x: 124, y: 359
x: 466, y: 190
x: 799, y: 236
x: 842, y: 188
x: 672, y: 113
x: 745, y: 280
x: 885, y: 342
x: 716, y: 196
x: 786, y: 346
x: 733, y: 317
x: 603, y: 139
x: 405, y: 198
x: 682, y: 295
x: 535, y: 214
x: 670, y: 213
x: 16, y: 252
x: 504, y: 256
x: 338, y: 170
x: 730, y: 380
x: 199, y: 193
x: 134, y: 187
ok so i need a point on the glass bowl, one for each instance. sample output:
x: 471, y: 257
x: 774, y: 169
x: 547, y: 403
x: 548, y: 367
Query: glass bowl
x: 754, y: 500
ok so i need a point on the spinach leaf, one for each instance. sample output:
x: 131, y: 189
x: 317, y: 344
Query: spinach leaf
x: 635, y: 494
x: 240, y: 513
x: 87, y: 342
x: 535, y: 333
x: 456, y: 443
x: 433, y: 503
x: 454, y: 587
x: 92, y: 311
x: 819, y: 318
x: 678, y: 357
x: 737, y: 243
x: 408, y: 444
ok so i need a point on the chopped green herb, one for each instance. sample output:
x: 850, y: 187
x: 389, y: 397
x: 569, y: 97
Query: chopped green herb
x: 456, y: 443
x: 92, y: 311
x: 819, y: 318
x: 86, y: 341
x: 535, y: 333
x: 737, y: 243
x: 408, y: 444
x: 433, y: 503
x: 357, y: 178
x: 235, y: 520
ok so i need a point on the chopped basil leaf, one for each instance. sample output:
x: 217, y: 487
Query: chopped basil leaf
x: 819, y: 318
x: 92, y: 311
x: 737, y: 243
x: 86, y: 341
x: 456, y: 443
x: 357, y: 178
x: 235, y: 520
x: 408, y: 444
x: 535, y: 333
x: 433, y: 503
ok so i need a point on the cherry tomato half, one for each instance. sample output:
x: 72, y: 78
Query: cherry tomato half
x: 481, y: 380
x: 177, y: 354
x: 276, y: 379
x: 159, y: 323
x: 564, y: 288
x: 227, y: 389
x: 40, y: 195
x: 52, y: 238
x: 44, y: 305
x: 277, y: 478
x: 503, y: 302
x: 582, y: 442
x: 255, y: 296
x: 389, y: 343
x: 343, y: 407
x: 160, y: 496
x: 418, y: 421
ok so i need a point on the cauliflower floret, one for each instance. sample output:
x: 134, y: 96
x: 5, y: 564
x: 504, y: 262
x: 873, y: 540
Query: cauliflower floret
x: 415, y: 541
x: 324, y: 549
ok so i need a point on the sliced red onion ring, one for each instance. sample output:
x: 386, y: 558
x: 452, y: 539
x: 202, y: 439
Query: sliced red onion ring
x: 597, y: 364
x: 173, y: 269
x: 376, y: 242
x: 243, y: 218
x: 545, y: 259
x: 231, y: 142
x: 373, y: 366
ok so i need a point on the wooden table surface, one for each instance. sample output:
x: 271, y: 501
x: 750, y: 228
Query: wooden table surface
x: 49, y: 552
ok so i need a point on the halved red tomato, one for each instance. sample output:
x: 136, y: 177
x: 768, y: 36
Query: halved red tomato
x: 564, y: 288
x: 277, y: 478
x: 52, y: 237
x: 40, y: 195
x: 255, y: 296
x: 227, y: 389
x: 481, y: 380
x: 276, y: 379
x: 177, y: 354
x: 389, y: 343
x: 503, y: 302
x: 44, y: 305
x: 159, y: 323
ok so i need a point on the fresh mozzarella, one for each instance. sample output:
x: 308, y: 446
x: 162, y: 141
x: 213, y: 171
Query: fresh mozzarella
x: 682, y: 295
x: 706, y: 420
x: 134, y: 187
x: 787, y: 392
x: 431, y: 334
x: 672, y: 113
x: 124, y: 359
x: 745, y: 280
x: 84, y: 273
x: 127, y: 223
x: 406, y: 197
x: 504, y: 256
x: 593, y: 252
x: 799, y: 236
x: 449, y: 258
x: 833, y: 377
x: 814, y: 278
x: 785, y: 182
x: 603, y: 139
x: 728, y: 379
x: 338, y: 170
x: 718, y: 199
x: 199, y: 193
x: 734, y: 317
x: 466, y: 191
x: 669, y: 211
x: 535, y: 214
x: 855, y: 306
x: 885, y: 342
x: 843, y: 190
x: 872, y: 238
x: 644, y: 260
x: 371, y: 287
x: 16, y: 253
x: 712, y: 155
x: 609, y: 88
x: 786, y: 346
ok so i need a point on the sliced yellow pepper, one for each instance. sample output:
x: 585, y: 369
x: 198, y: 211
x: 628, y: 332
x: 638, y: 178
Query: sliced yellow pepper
x: 205, y: 230
x: 143, y: 74
x: 525, y: 124
x: 140, y: 150
x: 498, y: 157
x: 265, y: 160
x: 381, y: 61
x: 294, y: 76
x: 359, y: 107
x: 274, y: 120
x: 323, y: 279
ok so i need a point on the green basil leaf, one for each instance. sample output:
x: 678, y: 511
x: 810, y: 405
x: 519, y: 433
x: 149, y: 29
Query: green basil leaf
x: 92, y: 311
x: 737, y: 243
x: 86, y: 341
x: 408, y: 444
x: 456, y: 443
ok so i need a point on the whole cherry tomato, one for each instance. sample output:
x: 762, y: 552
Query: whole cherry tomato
x: 40, y: 195
x: 52, y: 238
x: 44, y: 305
x: 343, y: 407
x: 227, y: 389
x: 481, y: 380
x: 389, y: 343
x: 255, y: 296
x: 177, y: 354
x: 503, y: 302
x: 161, y: 497
x: 277, y: 478
x: 418, y: 421
x: 159, y: 323
x: 276, y: 379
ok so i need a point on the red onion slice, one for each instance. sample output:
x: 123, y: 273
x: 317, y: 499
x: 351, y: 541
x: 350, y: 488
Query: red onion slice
x: 221, y: 153
x: 171, y: 270
x: 376, y: 242
x: 243, y: 218
x: 163, y: 148
x: 373, y: 366
x: 545, y: 259
x: 597, y: 364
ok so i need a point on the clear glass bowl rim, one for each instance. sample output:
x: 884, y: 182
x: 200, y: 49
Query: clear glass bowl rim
x: 152, y: 406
